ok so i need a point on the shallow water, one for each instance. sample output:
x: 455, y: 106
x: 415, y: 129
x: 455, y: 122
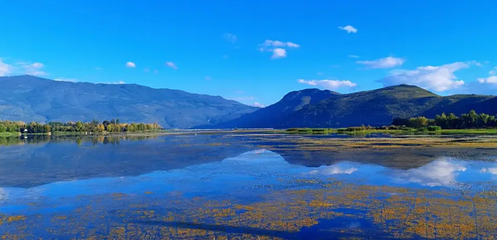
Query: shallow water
x: 220, y: 186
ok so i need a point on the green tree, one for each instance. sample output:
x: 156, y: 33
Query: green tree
x: 79, y: 127
x: 47, y: 128
x: 418, y: 122
x: 441, y: 121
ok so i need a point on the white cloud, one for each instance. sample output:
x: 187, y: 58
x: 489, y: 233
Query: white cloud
x: 37, y: 65
x: 437, y: 173
x: 278, y: 53
x: 489, y: 170
x: 349, y: 29
x: 491, y: 80
x: 230, y: 37
x: 130, y: 64
x: 388, y: 62
x: 3, y: 194
x: 439, y: 78
x: 278, y: 48
x: 171, y: 65
x: 66, y: 79
x: 33, y: 69
x: 118, y: 82
x: 260, y: 105
x: 329, y: 84
x: 353, y: 56
x: 278, y: 44
x: 333, y: 170
x: 5, y: 68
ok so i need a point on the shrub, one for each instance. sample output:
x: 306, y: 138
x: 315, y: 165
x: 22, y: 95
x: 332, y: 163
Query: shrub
x: 434, y: 128
x: 422, y: 129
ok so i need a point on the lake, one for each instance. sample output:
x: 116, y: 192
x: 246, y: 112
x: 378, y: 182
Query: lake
x: 242, y: 186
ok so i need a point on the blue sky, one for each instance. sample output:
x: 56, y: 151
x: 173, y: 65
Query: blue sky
x: 253, y: 50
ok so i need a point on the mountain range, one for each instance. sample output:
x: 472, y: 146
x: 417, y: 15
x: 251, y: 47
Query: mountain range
x: 323, y: 108
x: 28, y: 98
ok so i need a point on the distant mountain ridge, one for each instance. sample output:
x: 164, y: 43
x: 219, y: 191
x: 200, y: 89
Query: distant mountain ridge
x: 271, y: 116
x: 375, y: 107
x: 28, y: 98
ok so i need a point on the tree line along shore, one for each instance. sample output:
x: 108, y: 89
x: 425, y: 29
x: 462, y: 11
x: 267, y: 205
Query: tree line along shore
x: 467, y: 123
x: 94, y: 127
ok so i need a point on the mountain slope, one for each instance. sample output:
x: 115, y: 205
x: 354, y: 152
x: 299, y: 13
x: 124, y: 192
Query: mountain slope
x: 272, y: 115
x: 376, y: 107
x: 29, y: 98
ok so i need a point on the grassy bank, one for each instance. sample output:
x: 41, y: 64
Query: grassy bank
x: 9, y: 134
x: 403, y: 131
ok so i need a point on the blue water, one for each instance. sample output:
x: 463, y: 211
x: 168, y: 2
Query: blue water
x: 65, y: 188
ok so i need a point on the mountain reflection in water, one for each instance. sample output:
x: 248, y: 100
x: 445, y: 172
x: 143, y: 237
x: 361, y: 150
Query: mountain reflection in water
x: 252, y: 193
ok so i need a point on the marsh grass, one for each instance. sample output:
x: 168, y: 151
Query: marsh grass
x: 387, y: 130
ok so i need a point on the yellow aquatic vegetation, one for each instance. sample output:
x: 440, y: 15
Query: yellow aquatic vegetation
x: 403, y: 213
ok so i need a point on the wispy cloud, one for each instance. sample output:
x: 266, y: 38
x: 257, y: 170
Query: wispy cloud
x: 260, y: 105
x: 388, y: 62
x: 230, y: 37
x: 3, y: 194
x: 156, y: 71
x: 491, y: 80
x: 489, y: 170
x: 61, y: 79
x: 171, y: 65
x: 437, y: 78
x: 5, y: 68
x: 118, y: 82
x: 353, y: 56
x: 270, y: 44
x: 349, y: 29
x: 98, y: 68
x: 339, y: 168
x: 437, y: 173
x: 329, y: 84
x: 34, y: 69
x: 146, y: 70
x: 130, y: 65
x: 207, y: 78
x: 278, y: 48
x: 493, y: 72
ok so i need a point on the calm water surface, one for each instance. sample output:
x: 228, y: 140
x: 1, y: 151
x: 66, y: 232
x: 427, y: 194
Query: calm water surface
x: 240, y: 187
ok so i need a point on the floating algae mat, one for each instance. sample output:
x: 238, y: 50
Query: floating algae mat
x: 243, y: 186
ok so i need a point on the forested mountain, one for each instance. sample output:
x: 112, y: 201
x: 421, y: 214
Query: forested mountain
x: 28, y: 98
x: 376, y: 108
x: 271, y: 116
